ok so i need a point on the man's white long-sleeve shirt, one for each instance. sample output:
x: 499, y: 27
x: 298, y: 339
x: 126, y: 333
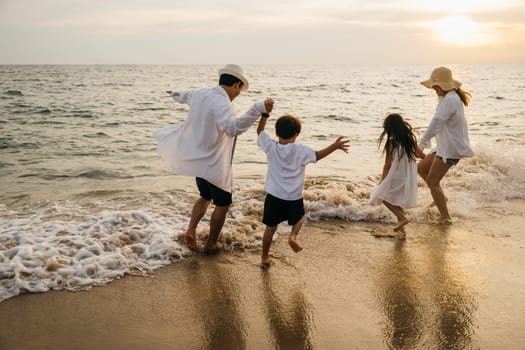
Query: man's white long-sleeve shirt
x: 449, y: 127
x: 203, y: 145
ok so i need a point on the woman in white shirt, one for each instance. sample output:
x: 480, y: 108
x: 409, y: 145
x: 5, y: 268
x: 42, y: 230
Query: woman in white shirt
x: 449, y: 127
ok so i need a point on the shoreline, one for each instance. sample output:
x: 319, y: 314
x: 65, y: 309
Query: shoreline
x: 458, y: 286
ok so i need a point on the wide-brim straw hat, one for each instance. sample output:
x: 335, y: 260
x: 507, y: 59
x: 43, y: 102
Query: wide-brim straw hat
x: 237, y: 72
x: 442, y: 77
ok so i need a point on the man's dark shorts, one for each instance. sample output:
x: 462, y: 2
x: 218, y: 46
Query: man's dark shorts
x: 277, y: 210
x: 209, y: 191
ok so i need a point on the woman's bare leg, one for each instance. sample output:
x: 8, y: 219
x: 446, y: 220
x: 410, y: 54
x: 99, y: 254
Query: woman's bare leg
x: 423, y: 167
x: 432, y: 174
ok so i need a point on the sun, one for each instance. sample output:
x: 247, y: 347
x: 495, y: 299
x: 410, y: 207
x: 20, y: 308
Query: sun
x: 462, y: 31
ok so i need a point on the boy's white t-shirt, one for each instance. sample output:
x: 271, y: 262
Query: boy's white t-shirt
x: 286, y: 167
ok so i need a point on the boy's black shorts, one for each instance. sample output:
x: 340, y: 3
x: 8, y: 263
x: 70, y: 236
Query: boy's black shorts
x: 209, y: 191
x: 277, y: 210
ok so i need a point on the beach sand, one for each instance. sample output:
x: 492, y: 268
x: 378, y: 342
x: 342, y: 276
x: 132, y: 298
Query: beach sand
x: 460, y: 286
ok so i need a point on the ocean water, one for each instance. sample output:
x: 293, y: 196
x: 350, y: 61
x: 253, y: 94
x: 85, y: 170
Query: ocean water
x: 85, y: 198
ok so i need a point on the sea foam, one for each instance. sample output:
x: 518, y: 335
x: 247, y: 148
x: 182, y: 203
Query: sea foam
x: 76, y: 245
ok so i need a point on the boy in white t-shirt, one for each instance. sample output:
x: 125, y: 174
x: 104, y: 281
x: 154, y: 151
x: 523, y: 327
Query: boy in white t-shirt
x: 285, y: 177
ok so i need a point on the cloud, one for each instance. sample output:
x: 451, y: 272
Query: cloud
x: 205, y: 31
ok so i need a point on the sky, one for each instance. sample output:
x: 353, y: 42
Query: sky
x: 261, y: 32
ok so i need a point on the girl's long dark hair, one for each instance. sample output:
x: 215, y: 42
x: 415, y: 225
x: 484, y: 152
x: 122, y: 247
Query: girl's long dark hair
x: 398, y: 135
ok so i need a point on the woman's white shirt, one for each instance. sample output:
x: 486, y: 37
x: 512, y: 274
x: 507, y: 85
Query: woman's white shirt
x: 449, y: 127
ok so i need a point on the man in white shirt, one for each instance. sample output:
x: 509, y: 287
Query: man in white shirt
x: 203, y: 146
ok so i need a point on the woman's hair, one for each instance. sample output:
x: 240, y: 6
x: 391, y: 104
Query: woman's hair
x: 464, y: 96
x: 287, y: 126
x: 229, y: 80
x: 398, y: 135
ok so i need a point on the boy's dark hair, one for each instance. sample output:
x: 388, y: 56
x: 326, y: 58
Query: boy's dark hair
x: 287, y: 126
x: 229, y: 80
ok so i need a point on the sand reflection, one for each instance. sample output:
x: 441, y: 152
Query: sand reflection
x: 425, y: 296
x: 217, y: 300
x: 453, y: 299
x: 399, y: 298
x: 288, y: 313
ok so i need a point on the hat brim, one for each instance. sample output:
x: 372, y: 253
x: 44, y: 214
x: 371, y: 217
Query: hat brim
x: 445, y: 85
x: 245, y: 84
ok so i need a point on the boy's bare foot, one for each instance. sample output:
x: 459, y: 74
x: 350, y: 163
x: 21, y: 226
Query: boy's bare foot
x: 294, y: 245
x: 191, y: 242
x: 400, y: 225
x: 265, y: 262
x: 401, y: 236
x: 265, y: 266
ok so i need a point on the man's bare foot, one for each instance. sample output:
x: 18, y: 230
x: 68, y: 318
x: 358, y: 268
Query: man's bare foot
x: 191, y: 242
x: 294, y: 245
x: 212, y: 249
x: 400, y: 225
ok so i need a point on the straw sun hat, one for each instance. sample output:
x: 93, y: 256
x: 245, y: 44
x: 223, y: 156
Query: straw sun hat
x: 442, y: 77
x: 237, y: 72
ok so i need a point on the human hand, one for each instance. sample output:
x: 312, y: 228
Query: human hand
x: 342, y: 144
x: 268, y: 104
x: 419, y: 153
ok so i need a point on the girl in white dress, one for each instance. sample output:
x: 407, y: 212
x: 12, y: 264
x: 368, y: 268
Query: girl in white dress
x: 398, y: 187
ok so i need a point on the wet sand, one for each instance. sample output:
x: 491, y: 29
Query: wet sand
x: 446, y: 287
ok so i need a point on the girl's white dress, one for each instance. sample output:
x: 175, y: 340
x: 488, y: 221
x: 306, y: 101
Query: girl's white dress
x: 399, y: 187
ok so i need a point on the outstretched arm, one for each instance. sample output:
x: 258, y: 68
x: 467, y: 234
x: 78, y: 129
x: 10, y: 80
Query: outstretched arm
x: 234, y: 126
x: 262, y: 122
x: 268, y: 105
x: 180, y: 96
x: 340, y: 143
